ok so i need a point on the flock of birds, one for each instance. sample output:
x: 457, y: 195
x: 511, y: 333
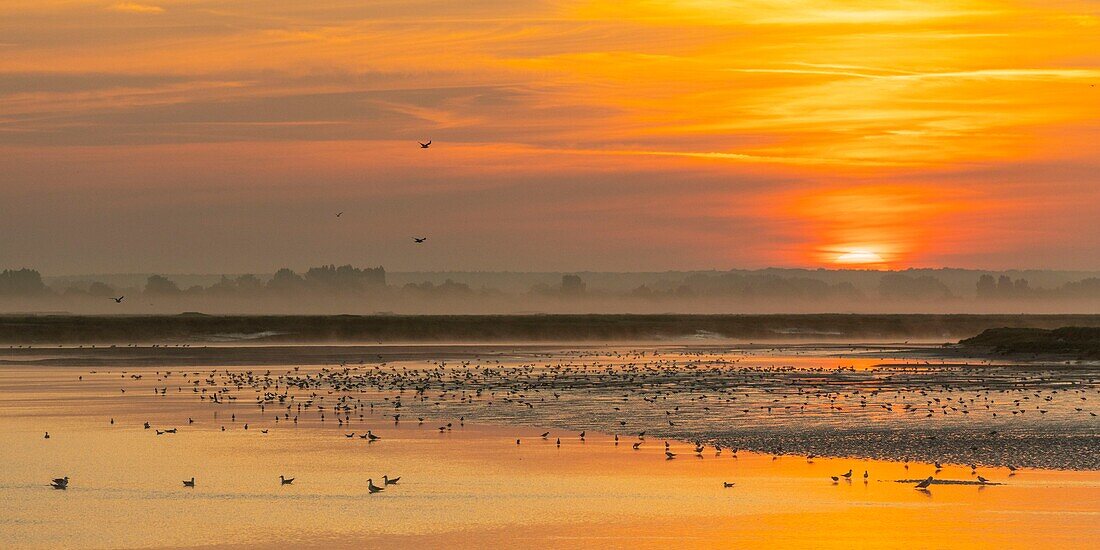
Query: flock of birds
x: 676, y: 394
x: 417, y: 240
x: 63, y: 483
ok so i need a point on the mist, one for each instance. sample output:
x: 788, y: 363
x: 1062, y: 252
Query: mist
x: 348, y: 289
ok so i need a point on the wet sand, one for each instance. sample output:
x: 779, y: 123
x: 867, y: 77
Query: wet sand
x: 473, y: 486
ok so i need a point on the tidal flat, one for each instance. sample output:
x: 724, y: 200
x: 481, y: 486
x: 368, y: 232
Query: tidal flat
x: 463, y: 426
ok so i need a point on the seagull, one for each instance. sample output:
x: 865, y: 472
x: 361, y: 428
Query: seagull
x: 190, y: 483
x: 372, y: 437
x: 60, y: 483
x: 285, y: 481
x: 372, y: 487
x: 118, y: 300
x: 419, y: 240
x: 387, y: 481
x: 425, y: 145
x: 924, y: 484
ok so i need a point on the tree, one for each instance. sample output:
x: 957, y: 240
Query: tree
x: 285, y: 280
x: 987, y: 287
x: 157, y: 284
x: 572, y: 285
x: 345, y: 277
x: 897, y: 286
x: 22, y: 282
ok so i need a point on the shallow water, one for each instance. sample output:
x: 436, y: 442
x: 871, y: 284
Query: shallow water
x: 474, y: 486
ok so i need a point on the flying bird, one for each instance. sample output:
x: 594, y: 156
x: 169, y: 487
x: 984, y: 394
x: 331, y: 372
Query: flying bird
x: 425, y: 145
x: 118, y: 300
x: 419, y: 240
x: 338, y: 214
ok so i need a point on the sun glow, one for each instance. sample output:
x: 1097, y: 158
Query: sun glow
x: 859, y: 257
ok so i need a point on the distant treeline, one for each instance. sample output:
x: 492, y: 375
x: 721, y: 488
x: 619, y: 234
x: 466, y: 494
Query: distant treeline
x: 334, y: 288
x: 391, y: 329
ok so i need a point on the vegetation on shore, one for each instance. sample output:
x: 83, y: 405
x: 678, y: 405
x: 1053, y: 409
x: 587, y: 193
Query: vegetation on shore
x: 196, y: 327
x: 1076, y: 341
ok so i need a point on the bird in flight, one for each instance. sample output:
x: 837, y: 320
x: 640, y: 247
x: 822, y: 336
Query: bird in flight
x: 425, y: 145
x: 419, y: 240
x: 338, y: 214
x: 118, y: 300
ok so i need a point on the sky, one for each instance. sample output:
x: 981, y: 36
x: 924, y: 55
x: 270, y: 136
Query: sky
x: 223, y: 136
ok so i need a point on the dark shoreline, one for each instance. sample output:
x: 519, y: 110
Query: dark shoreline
x: 287, y: 329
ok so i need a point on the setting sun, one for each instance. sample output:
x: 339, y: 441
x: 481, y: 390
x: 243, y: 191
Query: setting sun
x: 859, y: 257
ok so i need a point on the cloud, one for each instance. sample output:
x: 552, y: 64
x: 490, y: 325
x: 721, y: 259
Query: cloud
x: 134, y: 7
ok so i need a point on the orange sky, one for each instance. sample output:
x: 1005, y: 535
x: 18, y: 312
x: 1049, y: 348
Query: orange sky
x: 223, y: 136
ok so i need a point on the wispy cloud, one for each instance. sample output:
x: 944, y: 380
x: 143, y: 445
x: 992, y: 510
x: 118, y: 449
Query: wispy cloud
x: 853, y: 105
x: 134, y: 7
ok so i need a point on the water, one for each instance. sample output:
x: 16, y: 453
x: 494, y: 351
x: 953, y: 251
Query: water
x: 472, y: 485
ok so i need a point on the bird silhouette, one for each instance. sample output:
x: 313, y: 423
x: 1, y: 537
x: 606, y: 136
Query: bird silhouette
x: 425, y: 145
x: 387, y: 481
x: 372, y: 487
x: 189, y: 483
x: 118, y: 300
x: 285, y: 480
x: 419, y: 240
x: 924, y: 484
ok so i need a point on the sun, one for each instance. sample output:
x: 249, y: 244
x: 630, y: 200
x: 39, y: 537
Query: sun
x: 860, y: 256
